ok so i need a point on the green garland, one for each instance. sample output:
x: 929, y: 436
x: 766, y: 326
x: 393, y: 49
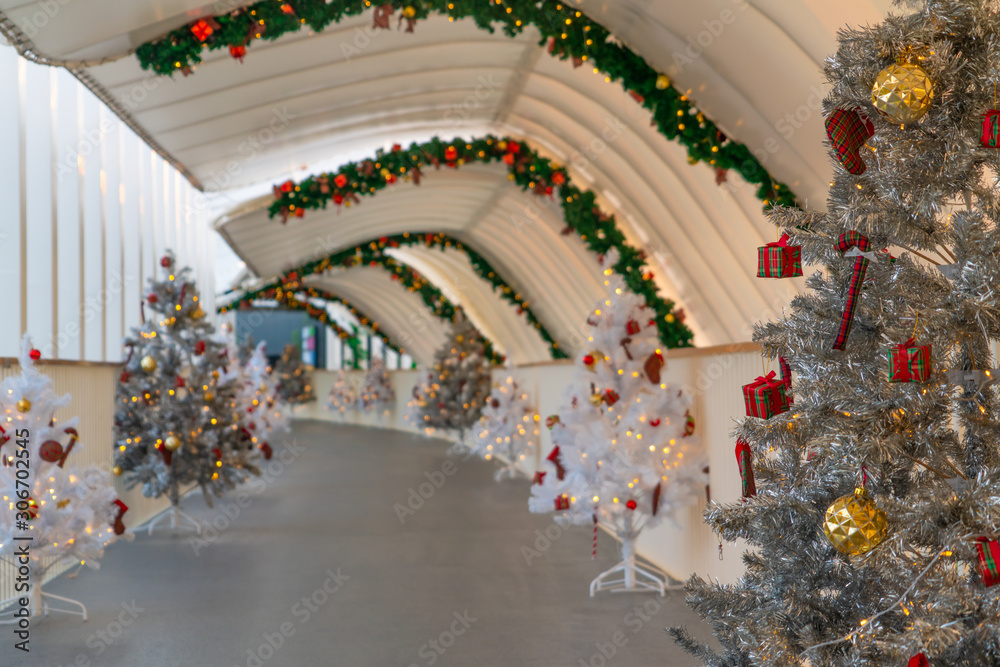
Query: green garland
x: 290, y: 282
x: 527, y: 169
x: 572, y: 34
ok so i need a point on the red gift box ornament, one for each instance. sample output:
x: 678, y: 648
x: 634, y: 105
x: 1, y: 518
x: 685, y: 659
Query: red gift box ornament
x: 848, y: 131
x: 909, y: 362
x: 450, y: 154
x: 991, y: 129
x: 919, y: 660
x: 779, y: 260
x: 848, y: 240
x: 562, y: 502
x: 631, y: 504
x: 989, y: 560
x: 287, y: 186
x: 765, y: 397
x: 632, y: 327
x: 744, y: 459
x: 238, y: 52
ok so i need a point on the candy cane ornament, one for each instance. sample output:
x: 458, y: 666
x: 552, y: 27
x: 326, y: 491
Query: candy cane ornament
x: 786, y: 377
x: 848, y: 240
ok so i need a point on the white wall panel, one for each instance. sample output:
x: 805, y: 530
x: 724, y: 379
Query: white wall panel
x: 69, y: 256
x: 10, y: 195
x: 89, y: 211
x: 39, y: 197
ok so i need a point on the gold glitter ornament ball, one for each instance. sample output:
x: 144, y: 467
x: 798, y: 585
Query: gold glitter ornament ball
x: 148, y: 363
x: 903, y: 92
x: 854, y: 524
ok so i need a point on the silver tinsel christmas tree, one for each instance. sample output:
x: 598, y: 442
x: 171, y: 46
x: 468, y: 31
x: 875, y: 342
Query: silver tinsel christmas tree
x: 295, y: 384
x: 459, y: 383
x: 873, y: 519
x: 176, y: 421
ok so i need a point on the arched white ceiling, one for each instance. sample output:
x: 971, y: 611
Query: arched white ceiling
x: 303, y: 102
x: 451, y: 271
x: 401, y: 314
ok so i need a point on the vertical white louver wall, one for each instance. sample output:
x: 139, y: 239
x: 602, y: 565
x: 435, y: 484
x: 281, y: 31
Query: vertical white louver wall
x: 88, y: 210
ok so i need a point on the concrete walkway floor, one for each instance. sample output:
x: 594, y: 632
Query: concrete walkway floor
x: 319, y: 568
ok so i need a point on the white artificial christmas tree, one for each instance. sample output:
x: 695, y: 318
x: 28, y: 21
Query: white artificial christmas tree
x: 623, y: 452
x: 263, y: 416
x: 343, y: 396
x: 61, y: 514
x: 507, y: 430
x: 377, y: 393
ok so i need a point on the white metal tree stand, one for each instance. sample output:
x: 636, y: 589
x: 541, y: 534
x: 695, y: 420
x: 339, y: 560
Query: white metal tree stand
x: 175, y: 512
x: 38, y: 604
x: 628, y: 576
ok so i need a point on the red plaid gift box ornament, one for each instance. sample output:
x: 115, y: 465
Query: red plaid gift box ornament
x: 779, y: 260
x: 991, y: 129
x: 744, y: 459
x: 909, y: 362
x: 203, y: 29
x: 989, y: 560
x: 848, y: 131
x: 765, y: 397
x: 632, y: 327
x: 562, y: 502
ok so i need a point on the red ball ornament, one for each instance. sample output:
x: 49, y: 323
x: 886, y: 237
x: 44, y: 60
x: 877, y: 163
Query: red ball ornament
x: 268, y: 452
x: 340, y: 180
x: 238, y: 51
x: 252, y: 425
x: 166, y: 262
x: 287, y: 186
x: 513, y: 147
x: 451, y: 154
x: 508, y: 159
x: 631, y: 505
x: 588, y: 360
x: 50, y: 451
x: 152, y: 298
x: 396, y: 148
x: 558, y: 178
x: 35, y: 355
x: 338, y: 199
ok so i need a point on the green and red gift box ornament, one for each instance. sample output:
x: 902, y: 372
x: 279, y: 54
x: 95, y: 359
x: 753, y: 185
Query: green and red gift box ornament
x: 765, y: 397
x: 989, y: 560
x: 909, y: 362
x: 779, y: 260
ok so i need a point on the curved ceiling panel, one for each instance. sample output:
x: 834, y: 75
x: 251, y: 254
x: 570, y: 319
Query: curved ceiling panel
x: 400, y: 313
x: 310, y: 98
x: 451, y: 272
x: 518, y: 233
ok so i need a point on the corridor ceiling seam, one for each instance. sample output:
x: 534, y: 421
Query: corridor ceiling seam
x: 369, y: 254
x: 569, y: 33
x: 527, y: 169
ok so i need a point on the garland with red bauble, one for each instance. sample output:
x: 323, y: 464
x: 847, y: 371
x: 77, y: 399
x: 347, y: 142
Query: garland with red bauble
x: 569, y: 33
x: 373, y: 253
x: 526, y: 168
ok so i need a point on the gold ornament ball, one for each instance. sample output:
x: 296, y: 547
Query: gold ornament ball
x: 209, y: 397
x: 903, y: 92
x: 459, y: 338
x: 117, y: 470
x: 409, y: 11
x: 595, y: 399
x: 854, y: 524
x: 148, y: 364
x: 662, y: 82
x: 263, y: 386
x: 24, y: 405
x: 197, y: 313
x: 172, y: 443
